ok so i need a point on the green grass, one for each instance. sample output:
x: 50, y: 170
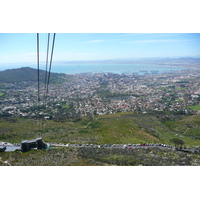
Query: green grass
x: 65, y: 106
x: 180, y: 88
x: 135, y: 157
x: 187, y: 128
x: 120, y: 128
x: 179, y: 99
x: 197, y: 107
x: 1, y: 94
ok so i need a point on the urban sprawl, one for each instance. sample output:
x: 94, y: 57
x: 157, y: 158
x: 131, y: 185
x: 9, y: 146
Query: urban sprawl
x: 90, y: 94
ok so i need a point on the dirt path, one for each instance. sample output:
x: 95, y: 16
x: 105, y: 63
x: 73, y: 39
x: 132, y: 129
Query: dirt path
x: 5, y: 162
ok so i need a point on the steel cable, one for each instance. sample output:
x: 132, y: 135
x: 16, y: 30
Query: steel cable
x: 45, y: 82
x: 50, y: 64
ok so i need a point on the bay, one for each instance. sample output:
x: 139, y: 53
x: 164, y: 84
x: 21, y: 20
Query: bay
x: 112, y: 68
x: 102, y: 68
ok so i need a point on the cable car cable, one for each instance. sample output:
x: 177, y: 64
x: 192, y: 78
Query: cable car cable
x: 38, y: 68
x: 47, y: 74
x: 38, y: 73
x: 45, y: 82
x: 50, y: 64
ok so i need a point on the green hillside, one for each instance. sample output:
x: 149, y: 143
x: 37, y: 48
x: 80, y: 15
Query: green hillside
x: 63, y: 156
x: 121, y: 128
x: 25, y: 74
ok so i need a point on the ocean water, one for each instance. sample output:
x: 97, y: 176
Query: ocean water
x: 105, y: 68
x: 113, y: 68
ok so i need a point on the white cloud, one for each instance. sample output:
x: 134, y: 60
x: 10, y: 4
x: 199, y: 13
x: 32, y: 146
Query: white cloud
x: 154, y: 41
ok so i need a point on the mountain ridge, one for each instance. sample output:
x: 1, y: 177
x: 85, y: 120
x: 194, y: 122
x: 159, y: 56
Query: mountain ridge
x: 133, y: 60
x: 24, y: 74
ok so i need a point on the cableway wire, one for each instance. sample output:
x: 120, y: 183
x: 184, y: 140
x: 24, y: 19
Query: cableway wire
x: 45, y: 81
x: 38, y: 74
x: 47, y: 73
x: 38, y: 68
x: 50, y: 65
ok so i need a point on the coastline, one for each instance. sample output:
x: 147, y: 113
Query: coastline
x: 114, y: 68
x: 73, y: 69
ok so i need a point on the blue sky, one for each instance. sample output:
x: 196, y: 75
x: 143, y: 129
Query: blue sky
x: 21, y: 47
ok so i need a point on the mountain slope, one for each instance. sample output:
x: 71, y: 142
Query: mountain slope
x: 24, y: 74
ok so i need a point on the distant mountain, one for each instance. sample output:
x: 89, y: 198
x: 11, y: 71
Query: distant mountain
x: 25, y: 74
x: 144, y: 60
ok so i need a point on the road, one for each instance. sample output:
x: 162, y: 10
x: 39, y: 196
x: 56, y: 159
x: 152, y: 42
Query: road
x: 126, y: 146
x: 10, y: 147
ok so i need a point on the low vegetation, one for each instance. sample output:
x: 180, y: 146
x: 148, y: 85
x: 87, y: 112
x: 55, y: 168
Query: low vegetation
x: 62, y: 156
x: 135, y: 157
x: 197, y: 107
x: 120, y: 128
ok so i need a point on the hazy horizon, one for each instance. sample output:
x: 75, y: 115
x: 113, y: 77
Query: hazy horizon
x: 76, y: 47
x: 104, y: 60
